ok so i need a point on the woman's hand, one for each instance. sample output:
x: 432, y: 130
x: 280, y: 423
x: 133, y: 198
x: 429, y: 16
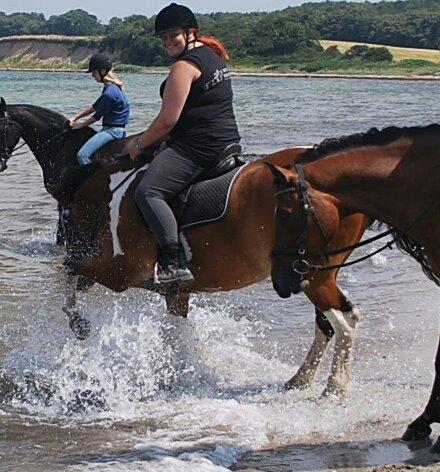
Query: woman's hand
x: 72, y: 119
x: 76, y: 125
x: 134, y: 149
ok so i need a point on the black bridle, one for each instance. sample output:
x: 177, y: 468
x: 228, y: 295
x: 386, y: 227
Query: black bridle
x: 6, y: 153
x: 300, y: 265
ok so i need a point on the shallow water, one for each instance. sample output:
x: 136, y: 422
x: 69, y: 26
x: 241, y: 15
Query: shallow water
x: 148, y: 392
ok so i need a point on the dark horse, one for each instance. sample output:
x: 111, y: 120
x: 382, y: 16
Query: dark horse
x: 392, y: 175
x: 228, y: 254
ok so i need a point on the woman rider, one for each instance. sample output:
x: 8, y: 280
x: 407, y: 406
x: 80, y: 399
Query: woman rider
x: 198, y: 118
x: 112, y: 106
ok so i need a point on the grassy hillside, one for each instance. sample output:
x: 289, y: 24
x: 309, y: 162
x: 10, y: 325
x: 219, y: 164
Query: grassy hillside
x: 398, y: 53
x: 49, y: 52
x: 72, y: 53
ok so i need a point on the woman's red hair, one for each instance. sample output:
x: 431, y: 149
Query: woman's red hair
x: 212, y: 42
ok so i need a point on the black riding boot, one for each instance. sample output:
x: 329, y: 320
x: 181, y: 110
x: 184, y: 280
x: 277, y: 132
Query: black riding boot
x: 170, y: 267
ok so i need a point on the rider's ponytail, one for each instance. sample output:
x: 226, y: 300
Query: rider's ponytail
x: 212, y: 42
x: 111, y: 77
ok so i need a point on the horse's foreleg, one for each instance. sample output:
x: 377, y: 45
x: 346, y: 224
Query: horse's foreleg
x: 421, y: 427
x: 78, y: 324
x: 338, y: 318
x: 177, y: 303
x: 344, y: 324
x: 177, y: 334
x: 306, y: 373
x: 60, y: 235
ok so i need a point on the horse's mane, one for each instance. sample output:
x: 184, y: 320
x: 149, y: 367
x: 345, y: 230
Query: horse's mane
x: 373, y: 137
x: 52, y: 117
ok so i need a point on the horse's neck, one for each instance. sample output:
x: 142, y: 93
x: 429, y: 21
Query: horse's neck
x: 37, y: 133
x: 373, y: 180
x: 394, y: 183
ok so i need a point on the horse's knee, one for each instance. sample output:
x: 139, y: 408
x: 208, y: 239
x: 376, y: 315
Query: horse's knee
x: 324, y: 325
x: 344, y: 323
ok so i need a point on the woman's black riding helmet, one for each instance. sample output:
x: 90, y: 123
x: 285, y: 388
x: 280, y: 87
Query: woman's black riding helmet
x: 99, y: 62
x: 174, y: 16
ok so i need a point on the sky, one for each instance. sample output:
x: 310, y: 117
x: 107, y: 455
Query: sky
x: 106, y: 9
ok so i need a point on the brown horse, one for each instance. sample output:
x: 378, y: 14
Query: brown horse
x: 231, y: 263
x: 392, y: 175
x: 119, y: 251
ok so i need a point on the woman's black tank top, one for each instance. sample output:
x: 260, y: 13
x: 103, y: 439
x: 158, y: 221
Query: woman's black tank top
x: 207, y: 123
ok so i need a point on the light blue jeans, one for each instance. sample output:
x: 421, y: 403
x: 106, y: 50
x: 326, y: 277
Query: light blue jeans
x: 97, y: 142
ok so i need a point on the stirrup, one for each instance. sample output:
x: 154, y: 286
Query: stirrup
x: 185, y: 275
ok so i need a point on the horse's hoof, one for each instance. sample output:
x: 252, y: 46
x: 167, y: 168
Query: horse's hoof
x: 412, y: 434
x: 81, y: 327
x: 296, y: 384
x: 84, y: 283
x: 334, y: 392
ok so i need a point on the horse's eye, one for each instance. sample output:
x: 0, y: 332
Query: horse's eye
x: 283, y: 215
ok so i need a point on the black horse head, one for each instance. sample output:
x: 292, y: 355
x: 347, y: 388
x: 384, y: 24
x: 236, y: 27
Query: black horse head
x: 10, y: 134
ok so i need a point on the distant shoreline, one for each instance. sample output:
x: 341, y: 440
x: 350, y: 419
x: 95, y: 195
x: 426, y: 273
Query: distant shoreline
x: 264, y: 74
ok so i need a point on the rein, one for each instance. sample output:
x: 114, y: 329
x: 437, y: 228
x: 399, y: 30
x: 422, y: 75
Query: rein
x: 300, y: 265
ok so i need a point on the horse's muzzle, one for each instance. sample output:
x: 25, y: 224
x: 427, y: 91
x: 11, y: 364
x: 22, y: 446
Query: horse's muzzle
x: 286, y: 283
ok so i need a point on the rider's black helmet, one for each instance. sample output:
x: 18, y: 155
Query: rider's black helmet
x: 98, y: 62
x: 174, y: 16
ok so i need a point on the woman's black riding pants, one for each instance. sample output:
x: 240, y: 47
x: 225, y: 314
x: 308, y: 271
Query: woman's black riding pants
x: 169, y: 173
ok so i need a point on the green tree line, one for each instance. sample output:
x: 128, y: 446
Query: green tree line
x: 287, y: 33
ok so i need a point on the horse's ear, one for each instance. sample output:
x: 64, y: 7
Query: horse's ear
x: 280, y: 173
x: 2, y: 107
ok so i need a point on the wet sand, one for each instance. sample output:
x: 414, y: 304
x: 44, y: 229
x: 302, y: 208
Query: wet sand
x: 382, y: 455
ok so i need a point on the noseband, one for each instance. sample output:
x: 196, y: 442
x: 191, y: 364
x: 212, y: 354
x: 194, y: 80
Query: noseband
x: 300, y: 266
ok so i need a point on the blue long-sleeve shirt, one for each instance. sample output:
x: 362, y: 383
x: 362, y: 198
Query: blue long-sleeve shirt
x: 112, y: 106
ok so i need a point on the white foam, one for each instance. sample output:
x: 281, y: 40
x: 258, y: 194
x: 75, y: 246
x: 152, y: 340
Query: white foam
x: 379, y: 260
x: 225, y: 397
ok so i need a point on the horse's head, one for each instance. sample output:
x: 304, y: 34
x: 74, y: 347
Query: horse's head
x: 302, y: 231
x: 285, y: 279
x: 10, y: 133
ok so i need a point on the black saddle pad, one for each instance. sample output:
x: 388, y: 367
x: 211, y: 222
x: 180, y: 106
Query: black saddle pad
x: 206, y: 201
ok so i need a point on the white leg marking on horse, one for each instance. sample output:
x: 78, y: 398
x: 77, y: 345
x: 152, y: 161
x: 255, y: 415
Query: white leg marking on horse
x: 306, y: 373
x: 115, y: 204
x: 344, y: 325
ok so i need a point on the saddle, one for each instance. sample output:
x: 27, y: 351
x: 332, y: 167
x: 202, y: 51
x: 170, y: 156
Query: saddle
x: 205, y: 200
x: 229, y: 159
